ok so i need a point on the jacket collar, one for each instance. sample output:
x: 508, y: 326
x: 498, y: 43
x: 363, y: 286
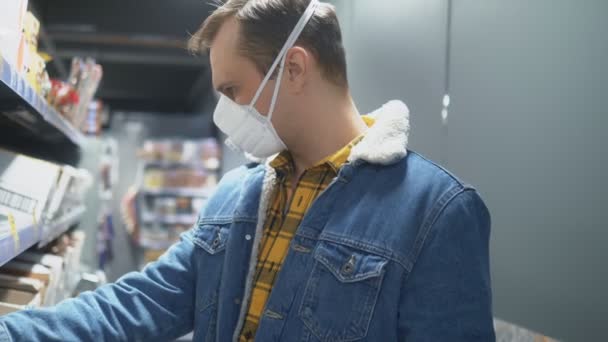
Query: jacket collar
x: 386, y: 141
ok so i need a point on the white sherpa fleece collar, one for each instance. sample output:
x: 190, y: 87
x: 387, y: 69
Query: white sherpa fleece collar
x: 386, y: 141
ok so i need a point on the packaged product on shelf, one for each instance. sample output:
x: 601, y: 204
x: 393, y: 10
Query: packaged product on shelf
x: 64, y: 98
x: 17, y: 293
x: 25, y: 201
x: 205, y: 152
x: 85, y: 76
x: 178, y: 229
x: 72, y: 255
x: 154, y: 235
x: 12, y: 14
x: 151, y: 255
x: 128, y: 210
x: 198, y: 204
x: 55, y: 264
x: 153, y: 179
x: 166, y: 206
x: 30, y: 270
x: 97, y: 115
x: 152, y: 150
x: 176, y: 150
x: 33, y: 64
x: 183, y: 206
x: 210, y: 154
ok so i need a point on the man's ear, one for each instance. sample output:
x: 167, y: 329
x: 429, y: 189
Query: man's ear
x: 297, y: 67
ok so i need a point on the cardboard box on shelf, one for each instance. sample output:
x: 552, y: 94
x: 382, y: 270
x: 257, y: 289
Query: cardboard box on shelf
x: 29, y: 270
x: 25, y: 201
x: 16, y: 293
x: 12, y: 14
x: 55, y: 264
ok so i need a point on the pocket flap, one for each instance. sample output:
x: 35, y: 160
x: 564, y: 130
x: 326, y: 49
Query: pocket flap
x: 212, y: 238
x: 349, y: 264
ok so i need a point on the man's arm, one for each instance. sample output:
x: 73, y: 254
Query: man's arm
x: 447, y: 296
x: 155, y: 304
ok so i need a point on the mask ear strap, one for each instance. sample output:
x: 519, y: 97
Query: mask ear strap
x: 291, y: 40
x: 276, y: 88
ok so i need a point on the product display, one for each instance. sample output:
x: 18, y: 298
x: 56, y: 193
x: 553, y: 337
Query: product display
x: 85, y: 76
x: 98, y: 116
x: 17, y: 293
x: 12, y: 14
x: 24, y: 106
x: 41, y: 199
x: 177, y: 177
x: 38, y: 210
x: 189, y: 152
x: 44, y: 277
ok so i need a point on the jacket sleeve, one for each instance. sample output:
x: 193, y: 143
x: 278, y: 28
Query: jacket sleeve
x: 155, y: 304
x: 447, y: 296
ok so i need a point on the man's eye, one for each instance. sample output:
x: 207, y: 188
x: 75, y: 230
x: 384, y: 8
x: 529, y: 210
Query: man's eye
x: 229, y: 92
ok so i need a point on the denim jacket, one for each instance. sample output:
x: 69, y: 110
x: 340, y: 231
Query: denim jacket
x: 395, y: 249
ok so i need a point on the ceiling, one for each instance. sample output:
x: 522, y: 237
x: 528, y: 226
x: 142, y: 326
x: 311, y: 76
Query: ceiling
x: 141, y: 45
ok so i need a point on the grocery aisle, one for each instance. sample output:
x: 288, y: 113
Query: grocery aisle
x: 107, y: 151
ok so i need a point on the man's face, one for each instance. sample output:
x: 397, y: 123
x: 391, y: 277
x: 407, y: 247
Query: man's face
x: 236, y: 76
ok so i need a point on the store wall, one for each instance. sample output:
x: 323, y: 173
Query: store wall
x: 526, y: 126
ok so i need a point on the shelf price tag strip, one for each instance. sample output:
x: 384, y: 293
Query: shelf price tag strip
x: 14, y: 232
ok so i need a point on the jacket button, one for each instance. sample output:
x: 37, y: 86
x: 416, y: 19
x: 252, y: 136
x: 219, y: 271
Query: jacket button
x: 237, y: 301
x: 349, y: 267
x: 215, y: 243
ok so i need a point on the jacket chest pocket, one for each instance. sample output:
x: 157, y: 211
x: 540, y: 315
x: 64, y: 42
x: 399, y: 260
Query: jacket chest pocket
x: 341, y: 292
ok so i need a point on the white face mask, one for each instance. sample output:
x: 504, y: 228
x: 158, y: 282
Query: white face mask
x: 247, y: 129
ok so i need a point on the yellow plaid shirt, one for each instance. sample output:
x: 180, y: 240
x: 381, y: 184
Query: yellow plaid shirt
x: 283, y: 219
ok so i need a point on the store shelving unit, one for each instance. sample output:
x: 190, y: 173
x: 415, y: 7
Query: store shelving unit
x: 175, y: 179
x: 41, y: 234
x: 184, y: 192
x: 10, y: 246
x: 22, y: 105
x: 52, y: 230
x: 169, y: 219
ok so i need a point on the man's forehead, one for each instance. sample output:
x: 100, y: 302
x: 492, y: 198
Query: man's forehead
x: 222, y: 53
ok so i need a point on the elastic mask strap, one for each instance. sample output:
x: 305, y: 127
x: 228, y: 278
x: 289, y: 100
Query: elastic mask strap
x: 275, y: 95
x: 293, y: 37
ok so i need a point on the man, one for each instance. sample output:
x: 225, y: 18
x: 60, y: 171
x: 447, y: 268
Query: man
x: 345, y: 235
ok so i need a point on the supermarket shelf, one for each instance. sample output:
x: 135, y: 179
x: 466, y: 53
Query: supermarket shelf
x: 154, y: 244
x: 185, y: 192
x: 44, y: 120
x: 9, y: 249
x: 173, y: 164
x: 187, y: 219
x: 53, y: 229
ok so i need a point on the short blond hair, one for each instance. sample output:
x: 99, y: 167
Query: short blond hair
x: 265, y: 26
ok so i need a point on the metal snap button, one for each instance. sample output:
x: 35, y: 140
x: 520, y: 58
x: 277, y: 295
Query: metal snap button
x: 216, y: 242
x: 349, y: 266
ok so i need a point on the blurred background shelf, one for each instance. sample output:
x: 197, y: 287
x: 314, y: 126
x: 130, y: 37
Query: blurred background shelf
x: 175, y: 164
x: 185, y: 192
x: 186, y: 219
